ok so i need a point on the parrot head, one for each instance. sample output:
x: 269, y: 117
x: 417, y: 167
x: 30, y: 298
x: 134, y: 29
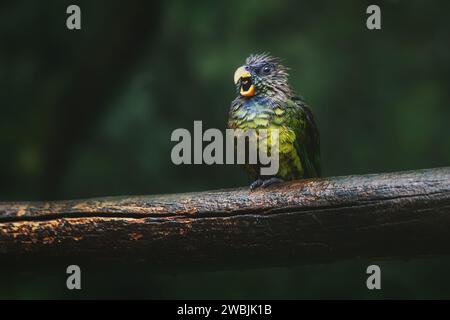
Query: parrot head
x: 262, y: 74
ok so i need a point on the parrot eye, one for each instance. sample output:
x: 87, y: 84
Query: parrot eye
x: 266, y: 69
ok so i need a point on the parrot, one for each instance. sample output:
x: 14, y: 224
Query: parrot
x: 265, y: 100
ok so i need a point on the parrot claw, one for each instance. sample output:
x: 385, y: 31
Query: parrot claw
x: 260, y: 183
x: 256, y: 184
x: 271, y: 181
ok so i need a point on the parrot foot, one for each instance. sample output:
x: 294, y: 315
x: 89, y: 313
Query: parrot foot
x: 264, y: 183
x: 271, y: 181
x: 256, y: 184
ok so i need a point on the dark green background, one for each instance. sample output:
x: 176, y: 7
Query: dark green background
x: 89, y: 113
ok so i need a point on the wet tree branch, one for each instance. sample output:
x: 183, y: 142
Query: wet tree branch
x: 402, y: 214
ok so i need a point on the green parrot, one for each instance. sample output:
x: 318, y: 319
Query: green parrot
x: 266, y: 101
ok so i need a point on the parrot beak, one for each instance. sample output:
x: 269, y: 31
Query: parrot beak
x: 247, y: 87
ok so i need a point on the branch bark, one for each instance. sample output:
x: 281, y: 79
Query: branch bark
x: 403, y: 214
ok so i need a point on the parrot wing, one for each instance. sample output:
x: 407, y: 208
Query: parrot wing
x: 308, y: 138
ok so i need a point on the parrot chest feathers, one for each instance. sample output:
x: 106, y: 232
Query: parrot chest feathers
x: 261, y: 113
x: 267, y: 113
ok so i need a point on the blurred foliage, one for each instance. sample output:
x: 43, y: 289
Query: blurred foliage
x: 89, y: 113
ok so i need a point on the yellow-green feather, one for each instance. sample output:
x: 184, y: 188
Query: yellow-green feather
x: 291, y: 121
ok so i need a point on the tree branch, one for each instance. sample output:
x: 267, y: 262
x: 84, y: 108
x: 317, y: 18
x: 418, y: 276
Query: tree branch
x: 402, y: 214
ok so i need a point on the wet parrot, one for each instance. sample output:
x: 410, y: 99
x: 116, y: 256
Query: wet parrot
x: 265, y: 100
